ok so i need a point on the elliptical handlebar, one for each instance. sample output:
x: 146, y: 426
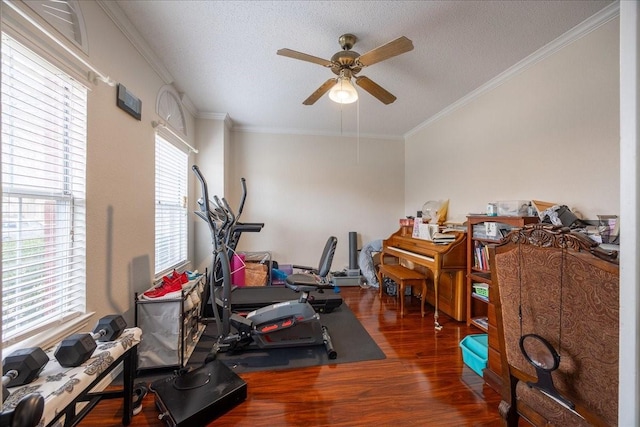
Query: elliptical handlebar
x: 206, y: 213
x: 232, y: 217
x: 204, y: 201
x: 243, y: 183
x: 210, y: 212
x: 251, y: 227
x: 222, y: 211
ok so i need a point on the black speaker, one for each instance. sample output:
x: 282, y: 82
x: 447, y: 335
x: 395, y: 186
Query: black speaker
x: 353, y: 250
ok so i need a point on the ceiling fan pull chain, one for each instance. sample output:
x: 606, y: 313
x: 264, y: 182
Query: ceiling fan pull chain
x: 358, y: 132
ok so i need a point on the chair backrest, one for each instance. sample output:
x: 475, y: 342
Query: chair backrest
x: 324, y: 267
x: 561, y: 286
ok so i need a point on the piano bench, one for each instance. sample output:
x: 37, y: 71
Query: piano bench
x: 403, y: 276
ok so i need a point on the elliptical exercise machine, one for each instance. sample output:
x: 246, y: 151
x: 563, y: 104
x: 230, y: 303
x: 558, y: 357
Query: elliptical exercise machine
x: 245, y: 299
x: 292, y: 323
x: 233, y: 228
x: 197, y: 396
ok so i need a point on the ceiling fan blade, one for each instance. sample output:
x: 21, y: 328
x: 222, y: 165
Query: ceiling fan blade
x: 320, y: 91
x: 375, y: 89
x: 304, y: 57
x: 386, y: 51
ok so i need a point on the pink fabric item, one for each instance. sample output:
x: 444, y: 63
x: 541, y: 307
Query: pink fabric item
x: 237, y: 270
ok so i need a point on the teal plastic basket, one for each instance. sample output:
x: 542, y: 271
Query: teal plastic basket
x: 475, y: 352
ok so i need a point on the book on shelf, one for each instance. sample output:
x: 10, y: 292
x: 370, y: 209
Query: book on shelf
x: 481, y: 256
x: 481, y: 290
x: 482, y: 321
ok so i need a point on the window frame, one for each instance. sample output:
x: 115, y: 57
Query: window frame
x: 61, y: 264
x: 171, y: 233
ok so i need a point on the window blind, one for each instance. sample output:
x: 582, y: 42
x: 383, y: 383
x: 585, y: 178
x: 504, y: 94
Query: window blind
x: 171, y: 206
x: 43, y: 194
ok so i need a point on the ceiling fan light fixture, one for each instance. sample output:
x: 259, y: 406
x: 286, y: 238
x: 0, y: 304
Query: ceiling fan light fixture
x: 343, y: 92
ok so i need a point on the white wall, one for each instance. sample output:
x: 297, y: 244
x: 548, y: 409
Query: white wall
x: 306, y: 188
x: 629, y: 388
x: 550, y: 133
x: 120, y: 172
x: 210, y: 159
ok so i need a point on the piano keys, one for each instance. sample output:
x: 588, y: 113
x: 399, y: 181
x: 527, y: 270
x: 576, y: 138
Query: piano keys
x: 444, y: 265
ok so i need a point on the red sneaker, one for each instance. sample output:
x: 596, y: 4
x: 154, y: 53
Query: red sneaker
x: 181, y: 278
x: 168, y: 285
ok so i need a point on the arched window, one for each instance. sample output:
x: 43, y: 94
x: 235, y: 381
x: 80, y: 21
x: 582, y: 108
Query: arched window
x: 65, y: 16
x: 172, y: 166
x: 169, y: 108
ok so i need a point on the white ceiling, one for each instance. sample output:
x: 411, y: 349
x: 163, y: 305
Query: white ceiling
x: 222, y: 55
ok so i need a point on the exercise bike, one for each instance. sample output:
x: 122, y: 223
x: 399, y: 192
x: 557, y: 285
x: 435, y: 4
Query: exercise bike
x: 292, y: 323
x: 245, y: 299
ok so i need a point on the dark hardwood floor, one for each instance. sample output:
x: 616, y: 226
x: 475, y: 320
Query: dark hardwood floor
x: 422, y: 382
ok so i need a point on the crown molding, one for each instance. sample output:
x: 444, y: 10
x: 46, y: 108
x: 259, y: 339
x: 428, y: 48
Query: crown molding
x: 224, y: 117
x: 288, y: 131
x: 590, y: 24
x: 118, y: 17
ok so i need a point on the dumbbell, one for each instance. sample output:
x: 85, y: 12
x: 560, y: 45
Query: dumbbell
x: 21, y: 367
x: 27, y: 413
x: 76, y: 349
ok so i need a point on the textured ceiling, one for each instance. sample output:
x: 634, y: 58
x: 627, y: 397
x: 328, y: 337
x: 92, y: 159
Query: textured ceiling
x: 222, y: 55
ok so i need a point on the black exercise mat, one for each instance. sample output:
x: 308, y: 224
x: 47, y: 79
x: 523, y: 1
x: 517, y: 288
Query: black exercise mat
x: 350, y: 339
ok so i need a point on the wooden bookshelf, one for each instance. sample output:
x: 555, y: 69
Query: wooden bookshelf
x: 480, y: 309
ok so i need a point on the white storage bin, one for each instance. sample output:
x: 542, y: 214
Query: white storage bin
x: 170, y: 327
x: 513, y: 207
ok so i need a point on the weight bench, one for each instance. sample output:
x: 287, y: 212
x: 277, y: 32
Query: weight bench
x: 403, y: 276
x: 64, y: 388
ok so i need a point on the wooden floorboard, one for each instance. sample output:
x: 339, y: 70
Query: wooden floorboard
x: 422, y: 381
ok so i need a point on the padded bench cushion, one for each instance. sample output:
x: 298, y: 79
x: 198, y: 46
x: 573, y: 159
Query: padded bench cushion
x: 403, y: 276
x: 399, y: 272
x: 60, y: 386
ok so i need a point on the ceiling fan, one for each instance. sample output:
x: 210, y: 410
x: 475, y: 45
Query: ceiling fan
x: 347, y: 64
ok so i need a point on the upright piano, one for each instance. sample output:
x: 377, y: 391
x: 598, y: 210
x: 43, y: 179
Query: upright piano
x: 444, y: 265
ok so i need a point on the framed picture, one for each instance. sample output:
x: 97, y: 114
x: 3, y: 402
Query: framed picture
x: 128, y: 102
